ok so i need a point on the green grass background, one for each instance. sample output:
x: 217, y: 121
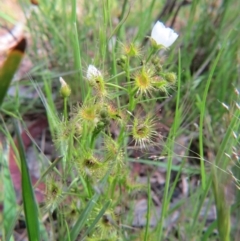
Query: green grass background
x: 73, y: 34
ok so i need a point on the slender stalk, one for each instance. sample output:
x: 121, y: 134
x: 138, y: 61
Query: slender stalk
x: 202, y: 115
x: 77, y: 51
x: 65, y: 114
x: 170, y: 144
x: 152, y: 51
x: 148, y: 211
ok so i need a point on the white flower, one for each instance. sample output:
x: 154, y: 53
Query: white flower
x: 93, y: 72
x: 162, y: 35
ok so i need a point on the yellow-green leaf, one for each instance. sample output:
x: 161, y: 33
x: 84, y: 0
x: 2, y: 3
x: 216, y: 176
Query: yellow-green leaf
x: 10, y: 66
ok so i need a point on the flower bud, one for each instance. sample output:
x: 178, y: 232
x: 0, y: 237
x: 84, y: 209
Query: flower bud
x: 104, y: 114
x: 65, y: 90
x: 158, y: 67
x: 93, y: 73
x: 156, y: 62
x: 122, y: 61
x: 171, y: 77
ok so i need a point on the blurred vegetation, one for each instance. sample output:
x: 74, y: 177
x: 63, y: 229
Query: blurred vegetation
x: 83, y: 192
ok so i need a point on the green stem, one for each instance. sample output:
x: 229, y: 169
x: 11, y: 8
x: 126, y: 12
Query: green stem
x: 120, y: 19
x: 170, y: 144
x: 148, y: 211
x: 65, y: 108
x: 77, y: 51
x: 130, y: 94
x: 152, y: 51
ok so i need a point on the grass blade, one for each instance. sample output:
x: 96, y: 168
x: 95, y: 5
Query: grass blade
x: 49, y: 169
x: 98, y: 217
x: 29, y: 202
x: 84, y: 215
x: 83, y: 218
x: 201, y: 123
x: 170, y: 145
x: 146, y: 234
x: 9, y: 202
x: 220, y: 180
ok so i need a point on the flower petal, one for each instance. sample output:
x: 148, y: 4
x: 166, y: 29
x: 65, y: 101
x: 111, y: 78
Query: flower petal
x: 162, y: 35
x: 93, y: 72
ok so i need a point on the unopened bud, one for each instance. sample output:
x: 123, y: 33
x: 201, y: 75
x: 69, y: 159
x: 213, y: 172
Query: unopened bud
x: 65, y: 90
x: 171, y: 77
x: 155, y: 60
x: 104, y: 114
x: 157, y: 64
x: 122, y: 61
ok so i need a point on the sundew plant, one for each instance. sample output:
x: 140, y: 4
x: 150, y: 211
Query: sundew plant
x: 96, y: 157
x: 139, y: 104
